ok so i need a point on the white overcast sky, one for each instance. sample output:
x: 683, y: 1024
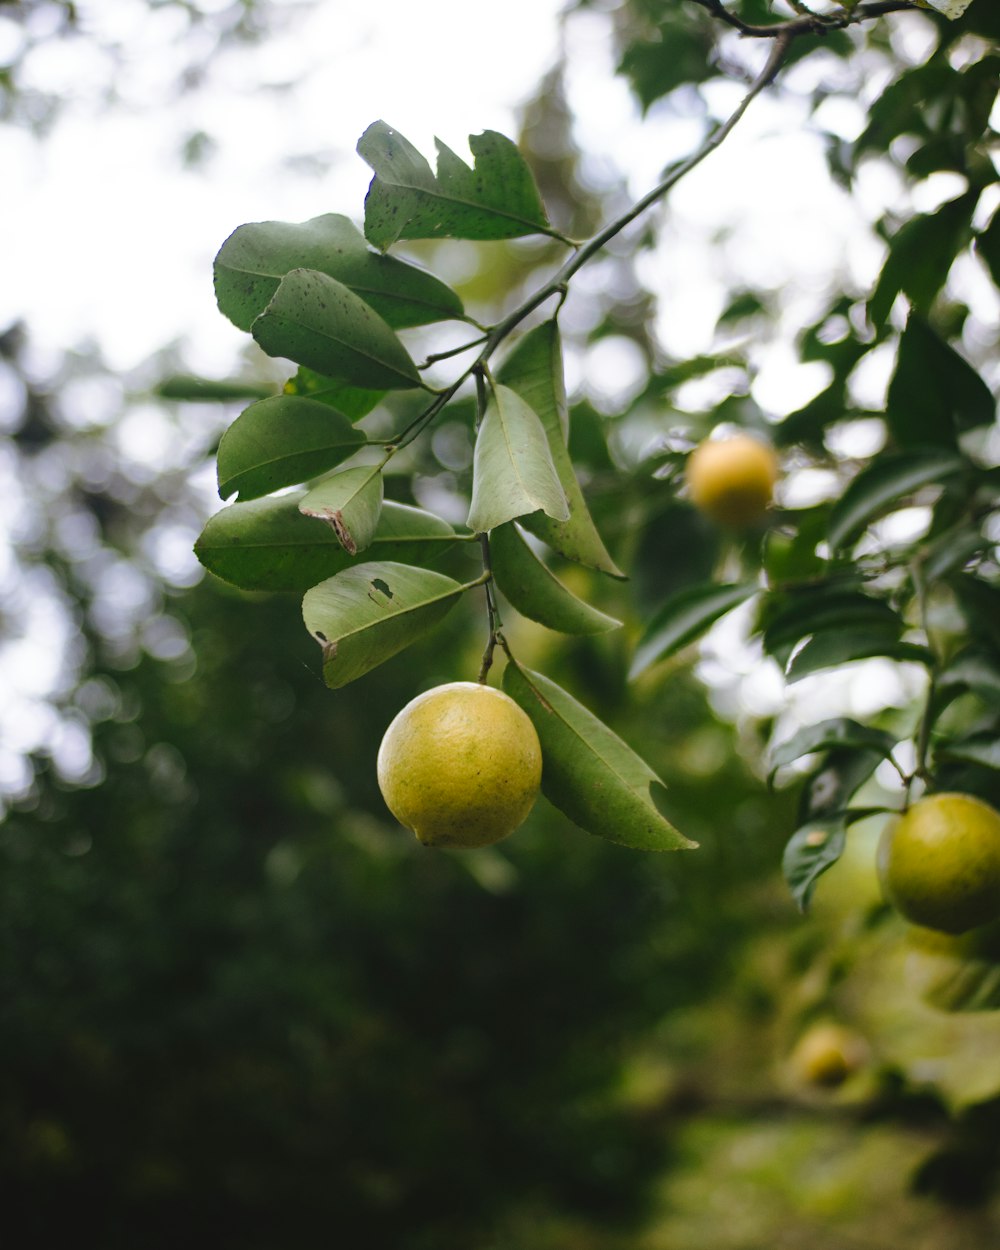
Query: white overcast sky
x: 106, y: 236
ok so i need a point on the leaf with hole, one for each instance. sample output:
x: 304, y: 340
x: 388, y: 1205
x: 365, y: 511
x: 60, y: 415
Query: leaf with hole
x: 372, y: 611
x: 536, y: 592
x: 320, y: 323
x: 588, y: 772
x: 350, y: 503
x: 255, y: 257
x: 512, y: 471
x: 534, y: 369
x: 498, y: 199
x: 282, y: 441
x: 267, y: 544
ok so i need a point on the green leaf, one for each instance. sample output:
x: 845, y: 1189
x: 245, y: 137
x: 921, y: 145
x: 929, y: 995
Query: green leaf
x: 318, y: 322
x: 981, y: 748
x: 685, y: 617
x: 588, y: 772
x: 840, y: 646
x: 975, y: 670
x: 979, y: 601
x: 535, y: 592
x: 792, y: 557
x: 934, y: 393
x: 369, y: 613
x: 350, y: 503
x: 269, y: 545
x: 496, y: 200
x: 809, y: 852
x: 840, y: 731
x: 512, y: 472
x: 282, y: 441
x: 255, y: 257
x: 534, y: 370
x: 890, y: 477
x: 988, y: 246
x: 189, y: 389
x: 829, y: 789
x: 786, y: 617
x: 353, y: 401
x: 920, y: 255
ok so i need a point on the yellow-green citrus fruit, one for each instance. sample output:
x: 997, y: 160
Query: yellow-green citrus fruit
x: 460, y: 765
x: 826, y: 1054
x: 732, y: 479
x: 939, y: 863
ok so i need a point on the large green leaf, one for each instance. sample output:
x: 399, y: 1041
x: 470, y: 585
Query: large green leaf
x: 350, y: 503
x: 536, y: 592
x: 255, y: 257
x: 685, y: 617
x: 934, y: 392
x: 512, y: 472
x: 282, y: 441
x: 367, y: 614
x: 498, y: 199
x: 269, y: 545
x: 890, y: 477
x: 979, y: 601
x: 588, y: 772
x: 318, y: 322
x: 534, y: 369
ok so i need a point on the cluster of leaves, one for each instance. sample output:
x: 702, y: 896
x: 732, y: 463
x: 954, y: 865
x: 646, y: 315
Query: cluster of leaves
x: 829, y: 583
x: 318, y: 294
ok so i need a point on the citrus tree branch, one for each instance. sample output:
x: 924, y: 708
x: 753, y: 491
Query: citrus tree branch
x: 806, y: 23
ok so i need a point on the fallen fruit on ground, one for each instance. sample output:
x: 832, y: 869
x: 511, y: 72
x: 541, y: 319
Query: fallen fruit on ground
x: 939, y: 863
x: 460, y: 765
x: 732, y: 479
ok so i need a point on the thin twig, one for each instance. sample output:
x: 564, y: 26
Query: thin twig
x: 807, y: 23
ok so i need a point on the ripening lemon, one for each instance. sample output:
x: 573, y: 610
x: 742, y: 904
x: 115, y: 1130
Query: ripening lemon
x: 732, y: 479
x: 826, y: 1054
x: 460, y: 765
x: 939, y: 863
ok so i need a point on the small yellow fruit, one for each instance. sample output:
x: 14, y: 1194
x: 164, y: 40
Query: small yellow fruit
x: 826, y: 1054
x: 732, y: 479
x: 460, y: 765
x: 939, y: 863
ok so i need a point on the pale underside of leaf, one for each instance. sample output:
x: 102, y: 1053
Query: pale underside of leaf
x: 513, y: 473
x: 350, y: 503
x: 534, y: 370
